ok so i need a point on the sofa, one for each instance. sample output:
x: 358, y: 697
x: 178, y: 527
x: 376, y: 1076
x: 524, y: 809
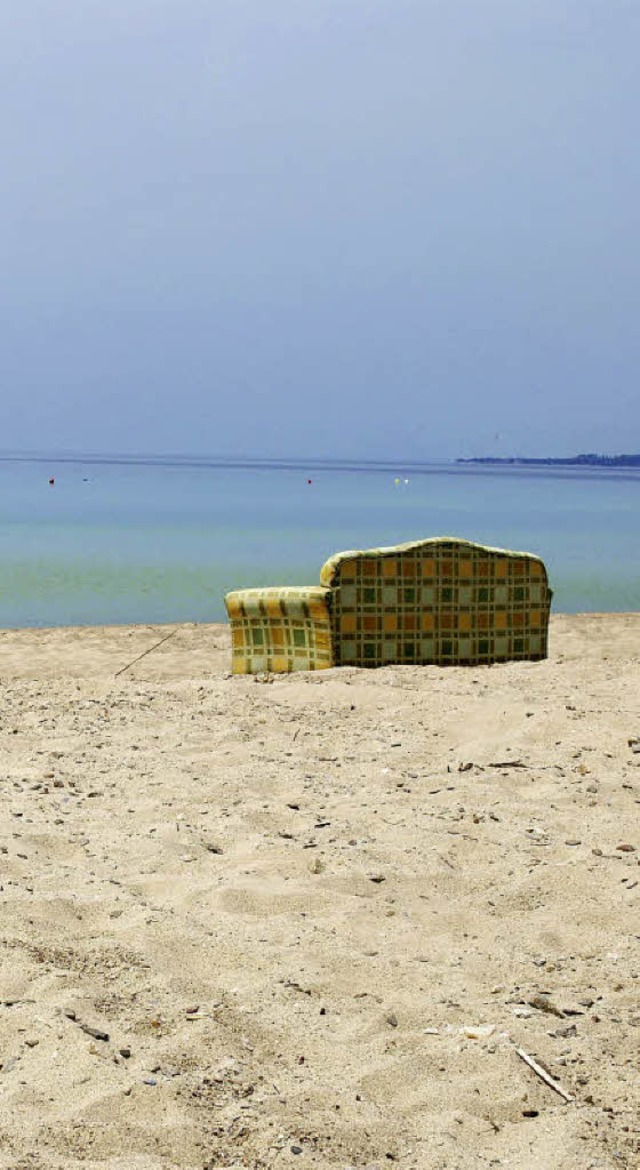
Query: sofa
x: 441, y: 601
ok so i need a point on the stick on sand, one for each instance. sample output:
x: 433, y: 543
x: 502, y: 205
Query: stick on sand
x: 545, y: 1076
x: 145, y: 652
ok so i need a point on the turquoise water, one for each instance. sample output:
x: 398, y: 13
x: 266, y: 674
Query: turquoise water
x: 110, y: 544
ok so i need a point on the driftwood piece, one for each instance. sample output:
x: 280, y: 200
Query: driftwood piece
x: 145, y: 652
x: 543, y: 1074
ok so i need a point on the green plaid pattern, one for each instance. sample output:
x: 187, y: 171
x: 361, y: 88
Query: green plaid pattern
x: 280, y: 630
x: 442, y: 601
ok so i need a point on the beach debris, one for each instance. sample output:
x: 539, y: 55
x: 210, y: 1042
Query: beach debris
x: 543, y: 1074
x: 145, y: 652
x: 507, y: 764
x: 478, y: 1031
x: 97, y: 1033
x: 567, y: 1033
x: 391, y: 1019
x: 626, y: 848
x: 431, y: 1031
x: 211, y: 847
x: 295, y: 986
x: 544, y: 1004
x: 634, y: 744
x: 377, y: 878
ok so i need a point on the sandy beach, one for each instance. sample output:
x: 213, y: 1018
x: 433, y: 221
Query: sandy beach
x: 317, y: 920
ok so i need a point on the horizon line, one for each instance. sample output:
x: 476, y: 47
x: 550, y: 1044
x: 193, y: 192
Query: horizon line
x: 310, y: 463
x: 169, y: 459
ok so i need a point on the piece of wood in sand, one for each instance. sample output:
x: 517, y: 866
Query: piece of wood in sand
x: 145, y: 652
x: 543, y: 1074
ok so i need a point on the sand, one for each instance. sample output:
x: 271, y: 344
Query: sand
x: 311, y: 920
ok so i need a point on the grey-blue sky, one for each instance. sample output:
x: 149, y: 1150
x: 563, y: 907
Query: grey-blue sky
x: 350, y: 227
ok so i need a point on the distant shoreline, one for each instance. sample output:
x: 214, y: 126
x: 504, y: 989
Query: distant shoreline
x: 566, y: 461
x: 313, y: 463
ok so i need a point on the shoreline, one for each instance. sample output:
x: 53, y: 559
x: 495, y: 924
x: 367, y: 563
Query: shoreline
x: 319, y: 914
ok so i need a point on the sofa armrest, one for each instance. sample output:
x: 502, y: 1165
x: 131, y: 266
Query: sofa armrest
x: 280, y: 630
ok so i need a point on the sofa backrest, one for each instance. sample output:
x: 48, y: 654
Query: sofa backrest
x: 443, y: 600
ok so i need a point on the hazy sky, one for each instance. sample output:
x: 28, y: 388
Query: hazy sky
x: 315, y: 227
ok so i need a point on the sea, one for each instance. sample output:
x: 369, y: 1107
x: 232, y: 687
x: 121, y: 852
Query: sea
x: 86, y: 541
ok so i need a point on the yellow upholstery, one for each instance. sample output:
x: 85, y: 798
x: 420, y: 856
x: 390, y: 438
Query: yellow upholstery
x: 280, y: 630
x: 443, y: 600
x: 439, y: 601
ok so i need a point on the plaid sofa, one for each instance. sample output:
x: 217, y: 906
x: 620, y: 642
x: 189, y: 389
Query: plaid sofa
x: 440, y: 601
